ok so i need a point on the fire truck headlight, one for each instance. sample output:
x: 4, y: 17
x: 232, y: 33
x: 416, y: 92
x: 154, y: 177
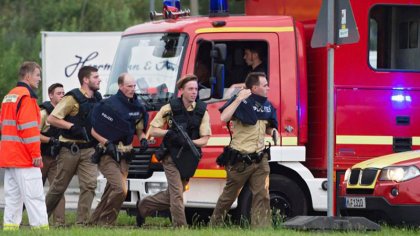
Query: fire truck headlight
x: 155, y: 187
x: 399, y: 173
x: 347, y: 175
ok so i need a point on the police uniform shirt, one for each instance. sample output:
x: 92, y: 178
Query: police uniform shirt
x: 139, y: 126
x: 249, y: 138
x: 44, y: 126
x: 159, y: 121
x: 67, y: 106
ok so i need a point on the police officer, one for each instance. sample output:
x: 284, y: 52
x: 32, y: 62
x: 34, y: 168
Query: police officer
x: 192, y: 115
x: 72, y: 116
x: 115, y: 121
x: 253, y: 117
x: 50, y: 145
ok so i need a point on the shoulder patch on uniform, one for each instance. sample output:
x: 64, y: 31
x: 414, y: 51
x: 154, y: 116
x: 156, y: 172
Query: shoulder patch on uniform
x: 10, y: 98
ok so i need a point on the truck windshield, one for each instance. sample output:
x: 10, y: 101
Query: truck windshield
x: 153, y: 60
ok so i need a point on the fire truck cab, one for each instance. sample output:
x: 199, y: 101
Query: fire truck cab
x: 376, y: 90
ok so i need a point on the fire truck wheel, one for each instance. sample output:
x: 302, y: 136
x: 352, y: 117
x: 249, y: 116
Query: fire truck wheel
x: 286, y: 198
x: 198, y: 216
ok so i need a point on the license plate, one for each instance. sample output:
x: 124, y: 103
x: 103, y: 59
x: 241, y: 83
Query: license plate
x: 355, y: 202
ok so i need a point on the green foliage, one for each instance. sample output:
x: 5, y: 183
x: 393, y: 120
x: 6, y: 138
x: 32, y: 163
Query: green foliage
x: 21, y: 22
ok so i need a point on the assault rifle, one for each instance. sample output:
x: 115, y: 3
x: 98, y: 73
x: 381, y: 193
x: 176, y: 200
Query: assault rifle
x: 187, y: 139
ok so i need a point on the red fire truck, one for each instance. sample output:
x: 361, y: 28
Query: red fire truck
x: 376, y: 90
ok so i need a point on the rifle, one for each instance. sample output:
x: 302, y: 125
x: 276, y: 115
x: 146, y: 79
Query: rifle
x: 190, y: 143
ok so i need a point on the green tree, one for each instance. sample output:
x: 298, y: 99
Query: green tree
x: 21, y: 22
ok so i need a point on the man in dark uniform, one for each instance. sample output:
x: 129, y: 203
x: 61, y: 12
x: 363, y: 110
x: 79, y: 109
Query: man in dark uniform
x: 115, y: 121
x: 72, y: 116
x: 50, y: 145
x: 253, y: 56
x: 253, y: 117
x: 193, y: 116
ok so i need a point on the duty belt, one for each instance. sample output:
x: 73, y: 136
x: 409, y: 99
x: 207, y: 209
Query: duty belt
x: 251, y: 157
x: 75, y: 147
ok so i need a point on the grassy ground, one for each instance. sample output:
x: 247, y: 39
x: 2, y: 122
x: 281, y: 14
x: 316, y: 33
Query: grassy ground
x: 161, y: 226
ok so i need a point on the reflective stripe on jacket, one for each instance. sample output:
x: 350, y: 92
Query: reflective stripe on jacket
x: 20, y: 135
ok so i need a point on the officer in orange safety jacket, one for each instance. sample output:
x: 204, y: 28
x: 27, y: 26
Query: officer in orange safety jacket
x: 20, y: 153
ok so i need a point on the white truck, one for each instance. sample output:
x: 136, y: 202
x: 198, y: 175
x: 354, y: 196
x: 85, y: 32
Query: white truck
x: 64, y: 53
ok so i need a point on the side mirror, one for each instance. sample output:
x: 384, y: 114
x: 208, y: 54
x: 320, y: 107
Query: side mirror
x: 218, y: 52
x: 217, y: 80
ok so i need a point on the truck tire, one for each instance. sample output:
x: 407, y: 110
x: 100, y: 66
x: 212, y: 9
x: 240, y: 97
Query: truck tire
x: 198, y: 216
x: 286, y: 200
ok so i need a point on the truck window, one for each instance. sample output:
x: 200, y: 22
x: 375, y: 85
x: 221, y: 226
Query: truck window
x: 154, y: 60
x: 393, y: 37
x: 236, y: 67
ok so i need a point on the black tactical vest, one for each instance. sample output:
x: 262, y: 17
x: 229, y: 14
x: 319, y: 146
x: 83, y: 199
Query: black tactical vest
x: 189, y: 120
x: 82, y: 118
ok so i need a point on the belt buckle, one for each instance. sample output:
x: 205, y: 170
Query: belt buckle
x: 74, y: 149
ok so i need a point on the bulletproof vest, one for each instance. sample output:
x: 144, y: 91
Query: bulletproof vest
x: 52, y: 131
x: 190, y: 120
x: 128, y: 111
x: 82, y: 118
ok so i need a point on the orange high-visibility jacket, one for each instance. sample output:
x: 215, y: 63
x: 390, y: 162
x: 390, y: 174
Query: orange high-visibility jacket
x: 20, y: 134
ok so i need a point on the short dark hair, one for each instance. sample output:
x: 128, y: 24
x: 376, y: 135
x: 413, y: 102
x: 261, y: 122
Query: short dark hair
x: 255, y: 48
x: 53, y: 87
x: 253, y: 78
x: 121, y: 78
x: 185, y: 79
x: 85, y: 71
x: 27, y: 67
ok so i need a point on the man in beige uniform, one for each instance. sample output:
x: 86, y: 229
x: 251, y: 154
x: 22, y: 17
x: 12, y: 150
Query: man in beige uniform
x: 253, y: 117
x: 72, y: 115
x: 115, y: 150
x: 172, y: 198
x: 50, y: 145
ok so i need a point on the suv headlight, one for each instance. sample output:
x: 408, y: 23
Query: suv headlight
x: 347, y: 175
x: 399, y: 173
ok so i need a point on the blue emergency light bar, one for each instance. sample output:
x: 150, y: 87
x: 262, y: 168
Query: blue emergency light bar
x: 172, y: 3
x: 171, y: 10
x: 219, y: 8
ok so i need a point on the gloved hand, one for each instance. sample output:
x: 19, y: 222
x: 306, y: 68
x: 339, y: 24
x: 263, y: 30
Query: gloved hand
x: 144, y: 144
x: 76, y: 130
x: 174, y: 138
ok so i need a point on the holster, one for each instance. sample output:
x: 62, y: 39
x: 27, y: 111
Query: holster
x: 162, y: 151
x: 55, y: 149
x: 99, y: 152
x: 227, y: 157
